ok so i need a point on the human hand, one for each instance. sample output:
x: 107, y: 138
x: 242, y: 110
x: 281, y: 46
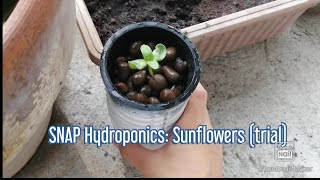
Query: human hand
x: 181, y: 160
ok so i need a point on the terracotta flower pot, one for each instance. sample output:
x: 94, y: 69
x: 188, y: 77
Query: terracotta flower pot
x: 38, y: 44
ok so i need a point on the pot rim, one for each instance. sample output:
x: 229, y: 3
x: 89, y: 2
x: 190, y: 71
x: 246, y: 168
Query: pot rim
x: 150, y: 107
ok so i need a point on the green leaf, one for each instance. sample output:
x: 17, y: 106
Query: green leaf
x: 146, y: 52
x: 153, y: 64
x: 137, y: 64
x: 159, y: 52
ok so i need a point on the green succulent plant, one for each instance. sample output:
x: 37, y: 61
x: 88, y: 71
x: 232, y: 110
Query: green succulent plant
x: 150, y: 58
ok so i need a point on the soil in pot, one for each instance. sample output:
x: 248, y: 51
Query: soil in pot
x: 109, y: 16
x: 149, y: 85
x: 8, y: 6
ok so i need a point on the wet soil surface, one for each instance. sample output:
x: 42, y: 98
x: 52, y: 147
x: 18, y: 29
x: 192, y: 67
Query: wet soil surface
x: 111, y: 15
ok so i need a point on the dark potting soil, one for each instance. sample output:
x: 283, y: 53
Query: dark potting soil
x: 111, y: 15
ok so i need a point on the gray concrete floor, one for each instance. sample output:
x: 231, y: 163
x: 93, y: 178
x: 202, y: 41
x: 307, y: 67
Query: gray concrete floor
x: 269, y: 82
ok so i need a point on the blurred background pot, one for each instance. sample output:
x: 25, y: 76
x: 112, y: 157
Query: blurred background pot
x: 38, y: 43
x: 126, y: 114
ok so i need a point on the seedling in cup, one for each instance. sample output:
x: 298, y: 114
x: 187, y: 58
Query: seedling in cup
x: 150, y: 58
x: 159, y: 83
x: 149, y: 70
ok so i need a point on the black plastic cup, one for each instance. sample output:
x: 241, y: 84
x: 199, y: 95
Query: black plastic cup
x: 127, y: 114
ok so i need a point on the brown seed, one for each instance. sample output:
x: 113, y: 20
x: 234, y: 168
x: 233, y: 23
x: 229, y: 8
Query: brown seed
x: 153, y: 100
x: 121, y: 59
x: 167, y: 95
x: 122, y: 87
x: 131, y: 95
x: 152, y: 45
x: 179, y: 87
x: 148, y: 77
x: 176, y: 90
x: 124, y: 71
x: 171, y: 75
x: 146, y: 90
x: 139, y: 97
x: 158, y: 82
x: 179, y: 65
x: 157, y: 71
x: 171, y: 53
x: 129, y: 84
x: 139, y: 78
x: 134, y: 48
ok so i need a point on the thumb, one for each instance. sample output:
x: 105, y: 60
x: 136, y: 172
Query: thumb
x: 196, y: 112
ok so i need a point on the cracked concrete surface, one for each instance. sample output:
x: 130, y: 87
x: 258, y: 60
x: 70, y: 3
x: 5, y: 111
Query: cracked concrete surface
x: 267, y: 83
